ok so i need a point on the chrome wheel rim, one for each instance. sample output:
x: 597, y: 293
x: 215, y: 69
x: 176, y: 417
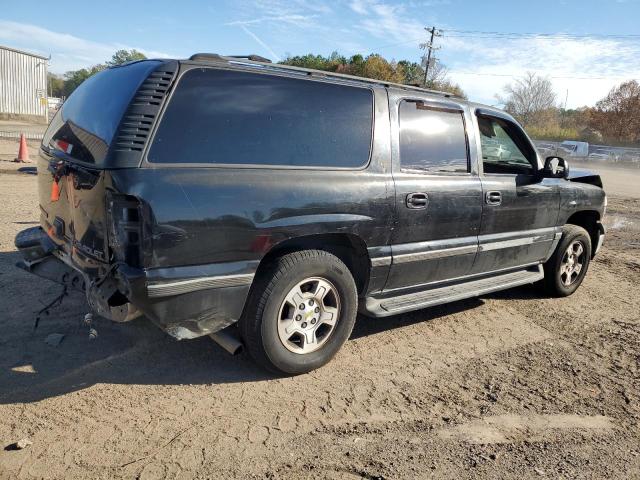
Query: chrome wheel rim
x: 572, y: 263
x: 308, y: 315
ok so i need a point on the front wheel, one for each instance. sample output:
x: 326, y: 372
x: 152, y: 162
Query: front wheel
x: 301, y: 311
x: 567, y: 267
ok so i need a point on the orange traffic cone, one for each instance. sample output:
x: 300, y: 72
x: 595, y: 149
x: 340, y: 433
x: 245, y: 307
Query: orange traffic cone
x: 23, y: 152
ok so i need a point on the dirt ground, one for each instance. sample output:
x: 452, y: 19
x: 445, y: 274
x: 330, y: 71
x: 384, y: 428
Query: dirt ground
x: 9, y: 151
x: 511, y: 385
x: 22, y: 126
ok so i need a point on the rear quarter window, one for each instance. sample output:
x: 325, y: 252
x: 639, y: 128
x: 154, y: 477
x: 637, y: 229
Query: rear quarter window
x: 85, y: 125
x: 241, y: 118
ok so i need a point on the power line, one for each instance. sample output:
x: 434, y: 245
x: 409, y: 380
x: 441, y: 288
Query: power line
x: 515, y: 36
x: 557, y: 77
x: 494, y: 34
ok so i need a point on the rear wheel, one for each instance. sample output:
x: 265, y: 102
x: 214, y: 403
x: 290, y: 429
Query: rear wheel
x: 301, y: 311
x: 567, y: 267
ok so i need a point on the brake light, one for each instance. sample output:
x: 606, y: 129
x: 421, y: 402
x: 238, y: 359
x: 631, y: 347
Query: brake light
x: 66, y: 147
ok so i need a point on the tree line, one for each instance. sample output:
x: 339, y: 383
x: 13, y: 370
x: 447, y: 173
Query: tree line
x: 377, y: 67
x: 63, y: 85
x: 615, y: 119
x: 372, y: 66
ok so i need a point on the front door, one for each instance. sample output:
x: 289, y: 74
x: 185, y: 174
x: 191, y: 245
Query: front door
x: 519, y: 209
x: 438, y: 193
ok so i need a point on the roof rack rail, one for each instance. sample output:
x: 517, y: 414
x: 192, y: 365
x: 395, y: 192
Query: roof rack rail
x: 310, y: 71
x: 215, y: 56
x: 206, y: 56
x: 252, y: 57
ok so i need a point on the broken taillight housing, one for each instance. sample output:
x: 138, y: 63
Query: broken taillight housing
x: 124, y: 213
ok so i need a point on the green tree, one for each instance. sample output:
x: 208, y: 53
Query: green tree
x: 74, y: 78
x: 124, y: 56
x: 55, y: 85
x: 356, y: 65
x: 377, y: 67
x: 413, y: 73
x: 316, y: 62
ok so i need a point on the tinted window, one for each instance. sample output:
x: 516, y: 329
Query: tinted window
x: 86, y: 123
x: 504, y: 148
x: 218, y: 116
x: 432, y: 140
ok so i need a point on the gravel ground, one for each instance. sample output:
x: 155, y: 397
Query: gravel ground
x: 509, y: 385
x: 9, y: 151
x: 22, y: 126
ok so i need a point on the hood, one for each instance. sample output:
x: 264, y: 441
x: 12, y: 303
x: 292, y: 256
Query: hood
x: 583, y: 175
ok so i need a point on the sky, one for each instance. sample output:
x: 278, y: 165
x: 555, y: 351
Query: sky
x: 585, y: 47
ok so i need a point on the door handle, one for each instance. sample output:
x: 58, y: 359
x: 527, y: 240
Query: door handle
x: 417, y: 200
x: 493, y: 197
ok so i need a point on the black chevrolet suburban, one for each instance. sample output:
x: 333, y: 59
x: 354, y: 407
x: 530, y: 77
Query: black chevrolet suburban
x: 266, y: 205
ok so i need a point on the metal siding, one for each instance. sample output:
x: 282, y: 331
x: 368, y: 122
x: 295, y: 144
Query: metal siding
x: 21, y: 76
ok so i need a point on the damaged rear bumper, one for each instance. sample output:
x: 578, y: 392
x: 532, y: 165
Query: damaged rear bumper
x: 186, y: 302
x: 43, y: 257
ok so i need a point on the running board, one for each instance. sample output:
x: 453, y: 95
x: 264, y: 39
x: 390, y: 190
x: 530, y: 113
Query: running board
x: 383, y: 307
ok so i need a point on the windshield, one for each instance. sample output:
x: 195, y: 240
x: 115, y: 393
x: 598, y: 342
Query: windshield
x: 84, y: 127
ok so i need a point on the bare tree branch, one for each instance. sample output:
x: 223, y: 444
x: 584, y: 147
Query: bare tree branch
x: 529, y: 98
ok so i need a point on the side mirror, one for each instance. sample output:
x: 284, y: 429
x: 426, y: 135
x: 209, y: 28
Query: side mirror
x: 555, y: 167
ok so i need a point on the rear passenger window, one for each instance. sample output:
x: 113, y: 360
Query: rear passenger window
x: 432, y: 139
x: 233, y: 117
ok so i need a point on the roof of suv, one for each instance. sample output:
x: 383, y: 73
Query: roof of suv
x: 265, y: 64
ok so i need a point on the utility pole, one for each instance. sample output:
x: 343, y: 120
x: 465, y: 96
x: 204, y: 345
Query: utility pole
x: 429, y: 47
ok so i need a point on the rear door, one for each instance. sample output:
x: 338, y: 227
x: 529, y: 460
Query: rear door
x: 519, y: 208
x: 438, y: 193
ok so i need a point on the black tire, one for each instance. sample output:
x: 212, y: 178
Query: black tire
x: 259, y: 325
x: 554, y: 276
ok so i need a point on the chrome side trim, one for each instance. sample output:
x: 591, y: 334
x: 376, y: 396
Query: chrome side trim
x: 486, y: 243
x: 193, y: 284
x: 517, y: 242
x: 381, y: 261
x: 432, y: 254
x: 507, y: 240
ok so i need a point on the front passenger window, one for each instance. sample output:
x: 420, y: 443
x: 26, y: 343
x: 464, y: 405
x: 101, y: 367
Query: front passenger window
x: 504, y: 148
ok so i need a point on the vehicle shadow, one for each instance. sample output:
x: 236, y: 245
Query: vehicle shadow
x: 525, y: 292
x: 366, y: 326
x: 32, y: 369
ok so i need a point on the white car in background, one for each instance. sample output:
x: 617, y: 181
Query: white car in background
x: 604, y: 155
x: 570, y: 148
